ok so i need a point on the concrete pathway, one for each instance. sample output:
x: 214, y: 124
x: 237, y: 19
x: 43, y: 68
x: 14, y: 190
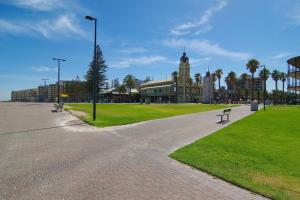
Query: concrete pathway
x: 45, y: 155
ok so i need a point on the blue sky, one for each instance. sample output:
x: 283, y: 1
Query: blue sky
x: 145, y: 38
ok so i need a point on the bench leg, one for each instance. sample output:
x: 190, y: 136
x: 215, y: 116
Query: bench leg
x: 228, y: 117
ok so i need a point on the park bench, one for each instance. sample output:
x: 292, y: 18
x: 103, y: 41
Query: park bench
x: 225, y: 112
x: 59, y: 106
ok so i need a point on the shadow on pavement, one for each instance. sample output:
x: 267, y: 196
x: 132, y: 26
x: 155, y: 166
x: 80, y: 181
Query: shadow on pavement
x: 39, y: 129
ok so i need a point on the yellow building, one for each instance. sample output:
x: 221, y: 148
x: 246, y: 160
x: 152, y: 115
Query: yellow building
x: 182, y: 90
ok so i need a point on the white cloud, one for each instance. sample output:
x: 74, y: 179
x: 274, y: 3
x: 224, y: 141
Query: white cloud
x: 280, y: 56
x: 194, y: 61
x: 203, y: 30
x: 200, y: 25
x: 293, y: 14
x: 64, y: 25
x: 43, y: 69
x: 132, y: 50
x: 205, y: 47
x: 19, y: 77
x: 179, y: 32
x: 144, y: 60
x: 12, y: 28
x: 43, y: 5
x: 294, y: 18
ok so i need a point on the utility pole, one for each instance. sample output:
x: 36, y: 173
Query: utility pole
x: 94, y: 66
x: 58, y: 77
x: 45, y: 81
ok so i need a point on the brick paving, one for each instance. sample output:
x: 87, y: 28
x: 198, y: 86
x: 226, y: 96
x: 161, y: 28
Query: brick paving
x: 45, y: 155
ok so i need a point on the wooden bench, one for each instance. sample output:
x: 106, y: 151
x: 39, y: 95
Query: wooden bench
x: 59, y: 106
x: 225, y: 112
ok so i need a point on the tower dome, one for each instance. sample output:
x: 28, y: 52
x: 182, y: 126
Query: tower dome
x: 184, y: 58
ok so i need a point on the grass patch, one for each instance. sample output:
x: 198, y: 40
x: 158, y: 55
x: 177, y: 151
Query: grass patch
x: 260, y: 152
x: 120, y: 114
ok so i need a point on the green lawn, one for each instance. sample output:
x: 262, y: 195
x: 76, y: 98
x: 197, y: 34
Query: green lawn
x: 119, y: 114
x: 260, y: 152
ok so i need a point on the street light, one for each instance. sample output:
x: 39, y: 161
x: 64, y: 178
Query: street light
x: 94, y: 66
x: 265, y: 77
x: 58, y: 77
x: 45, y: 81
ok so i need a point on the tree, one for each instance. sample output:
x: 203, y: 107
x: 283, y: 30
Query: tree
x: 283, y: 78
x: 198, y: 81
x: 219, y: 74
x: 100, y: 73
x: 227, y: 84
x: 175, y: 79
x: 115, y: 83
x: 121, y: 89
x: 75, y: 89
x: 264, y: 75
x: 232, y: 80
x: 252, y: 66
x: 106, y: 85
x: 129, y: 82
x: 190, y: 84
x: 264, y: 72
x: 276, y: 77
x: 197, y: 78
x: 244, y: 77
x: 213, y: 77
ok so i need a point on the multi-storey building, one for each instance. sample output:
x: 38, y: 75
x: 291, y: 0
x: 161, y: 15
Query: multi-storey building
x: 52, y: 92
x: 29, y: 95
x: 294, y: 80
x: 43, y: 93
x: 258, y: 84
x: 169, y: 90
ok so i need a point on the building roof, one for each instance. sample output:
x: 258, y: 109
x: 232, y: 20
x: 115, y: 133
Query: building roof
x: 159, y: 86
x: 115, y: 91
x: 294, y: 61
x: 156, y: 82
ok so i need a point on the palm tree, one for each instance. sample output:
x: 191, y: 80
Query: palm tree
x: 175, y: 79
x: 227, y: 84
x: 276, y: 76
x: 232, y: 79
x: 219, y: 74
x: 121, y: 89
x: 197, y: 78
x: 262, y: 73
x: 129, y: 82
x: 252, y: 66
x: 213, y: 77
x: 198, y: 81
x: 190, y: 84
x: 244, y: 77
x: 266, y: 72
x: 283, y: 77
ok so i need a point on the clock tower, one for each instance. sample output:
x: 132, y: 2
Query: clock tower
x: 183, y: 79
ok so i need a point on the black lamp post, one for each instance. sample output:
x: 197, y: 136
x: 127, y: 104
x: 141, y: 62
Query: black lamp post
x: 58, y: 77
x: 94, y: 66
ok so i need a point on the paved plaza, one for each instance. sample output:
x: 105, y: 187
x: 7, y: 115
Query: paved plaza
x: 46, y: 155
